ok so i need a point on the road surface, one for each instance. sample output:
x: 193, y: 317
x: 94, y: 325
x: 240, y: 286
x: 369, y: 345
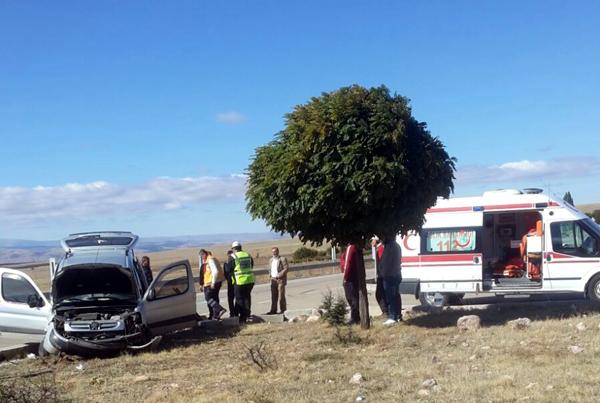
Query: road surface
x: 301, y: 294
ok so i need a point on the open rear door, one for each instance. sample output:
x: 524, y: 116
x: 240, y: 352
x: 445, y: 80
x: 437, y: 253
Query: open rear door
x: 451, y: 259
x: 170, y: 301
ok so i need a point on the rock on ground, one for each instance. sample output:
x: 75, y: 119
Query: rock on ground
x: 580, y: 326
x: 357, y: 379
x: 520, y: 323
x: 299, y: 318
x: 575, y: 349
x: 468, y: 322
x: 429, y: 383
x: 313, y: 318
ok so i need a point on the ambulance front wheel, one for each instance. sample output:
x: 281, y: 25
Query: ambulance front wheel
x: 593, y: 291
x: 433, y: 299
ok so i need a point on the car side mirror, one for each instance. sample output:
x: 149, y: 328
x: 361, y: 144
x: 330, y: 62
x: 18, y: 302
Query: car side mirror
x: 151, y: 294
x: 34, y: 301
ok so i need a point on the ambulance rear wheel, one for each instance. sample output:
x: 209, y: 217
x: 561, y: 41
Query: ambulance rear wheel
x: 593, y: 290
x: 433, y: 299
x: 456, y: 298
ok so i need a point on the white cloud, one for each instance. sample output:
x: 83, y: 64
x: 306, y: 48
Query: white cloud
x: 90, y: 200
x: 514, y: 171
x: 230, y: 118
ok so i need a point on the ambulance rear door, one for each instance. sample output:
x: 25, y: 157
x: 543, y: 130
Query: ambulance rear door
x: 450, y: 258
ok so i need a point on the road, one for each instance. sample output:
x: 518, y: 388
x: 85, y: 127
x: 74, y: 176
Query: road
x: 12, y: 339
x: 301, y: 294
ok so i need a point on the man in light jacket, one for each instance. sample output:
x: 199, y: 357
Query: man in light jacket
x: 391, y: 272
x: 211, y: 277
x: 278, y: 266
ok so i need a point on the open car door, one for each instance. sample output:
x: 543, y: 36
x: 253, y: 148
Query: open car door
x: 170, y: 301
x: 23, y: 307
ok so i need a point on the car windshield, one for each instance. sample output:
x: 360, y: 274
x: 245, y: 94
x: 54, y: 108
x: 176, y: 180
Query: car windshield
x: 94, y: 283
x: 593, y: 225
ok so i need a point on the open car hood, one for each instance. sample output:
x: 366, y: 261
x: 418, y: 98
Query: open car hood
x: 94, y: 284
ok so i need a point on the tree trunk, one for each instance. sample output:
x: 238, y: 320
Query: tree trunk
x: 363, y: 300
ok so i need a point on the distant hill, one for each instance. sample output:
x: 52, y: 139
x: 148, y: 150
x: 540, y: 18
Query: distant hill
x: 589, y: 208
x: 26, y: 251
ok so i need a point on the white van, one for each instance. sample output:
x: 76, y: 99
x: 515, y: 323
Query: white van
x: 504, y: 242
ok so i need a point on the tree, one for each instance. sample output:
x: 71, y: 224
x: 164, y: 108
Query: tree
x: 349, y: 164
x: 568, y: 198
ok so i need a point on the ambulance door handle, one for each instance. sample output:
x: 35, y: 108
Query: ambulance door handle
x: 476, y: 260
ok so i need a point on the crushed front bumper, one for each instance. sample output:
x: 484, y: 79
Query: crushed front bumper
x: 86, y: 348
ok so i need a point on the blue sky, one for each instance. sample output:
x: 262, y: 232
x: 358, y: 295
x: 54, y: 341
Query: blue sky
x: 141, y: 115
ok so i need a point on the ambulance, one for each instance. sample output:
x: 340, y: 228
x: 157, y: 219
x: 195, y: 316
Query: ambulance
x: 504, y: 242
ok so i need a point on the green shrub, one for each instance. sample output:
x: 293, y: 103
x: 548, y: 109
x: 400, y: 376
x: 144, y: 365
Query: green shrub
x: 303, y: 254
x: 335, y: 309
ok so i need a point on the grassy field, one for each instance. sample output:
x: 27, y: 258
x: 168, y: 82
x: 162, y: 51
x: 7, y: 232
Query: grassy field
x: 261, y: 251
x: 310, y: 363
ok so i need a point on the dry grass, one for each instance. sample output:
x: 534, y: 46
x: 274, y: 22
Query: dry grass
x: 261, y: 251
x: 496, y: 363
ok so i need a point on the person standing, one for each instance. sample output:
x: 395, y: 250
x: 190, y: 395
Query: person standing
x: 349, y: 261
x: 243, y: 277
x: 210, y: 280
x: 279, y: 267
x: 379, y: 293
x: 146, y: 269
x: 228, y: 272
x: 391, y: 272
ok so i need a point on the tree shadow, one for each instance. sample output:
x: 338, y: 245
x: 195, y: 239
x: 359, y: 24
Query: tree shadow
x: 500, y: 314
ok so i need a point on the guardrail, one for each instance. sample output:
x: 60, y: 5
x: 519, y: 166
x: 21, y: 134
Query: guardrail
x: 32, y: 265
x: 294, y: 268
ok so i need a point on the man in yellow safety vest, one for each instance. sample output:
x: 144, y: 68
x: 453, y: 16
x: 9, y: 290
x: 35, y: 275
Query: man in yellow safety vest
x: 243, y: 280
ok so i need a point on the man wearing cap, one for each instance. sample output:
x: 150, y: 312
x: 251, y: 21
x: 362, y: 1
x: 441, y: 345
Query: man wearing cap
x: 243, y: 280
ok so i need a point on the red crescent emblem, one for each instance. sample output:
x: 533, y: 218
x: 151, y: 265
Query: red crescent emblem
x: 406, y: 243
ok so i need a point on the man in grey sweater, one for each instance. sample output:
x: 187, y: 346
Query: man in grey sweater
x: 391, y: 271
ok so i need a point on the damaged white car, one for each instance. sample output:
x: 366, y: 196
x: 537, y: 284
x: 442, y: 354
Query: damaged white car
x: 101, y: 303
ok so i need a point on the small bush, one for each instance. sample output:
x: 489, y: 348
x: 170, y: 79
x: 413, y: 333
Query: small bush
x: 335, y: 309
x: 346, y: 336
x: 260, y: 355
x: 304, y: 253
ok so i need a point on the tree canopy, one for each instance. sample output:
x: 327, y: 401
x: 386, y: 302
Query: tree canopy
x: 349, y: 164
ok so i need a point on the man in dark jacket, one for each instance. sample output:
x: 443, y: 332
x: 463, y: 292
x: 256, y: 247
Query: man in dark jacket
x: 391, y: 272
x: 228, y: 267
x: 147, y: 269
x: 349, y: 261
x: 379, y: 292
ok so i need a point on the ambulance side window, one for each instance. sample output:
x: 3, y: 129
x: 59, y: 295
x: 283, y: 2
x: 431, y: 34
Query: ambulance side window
x: 572, y: 238
x: 450, y: 240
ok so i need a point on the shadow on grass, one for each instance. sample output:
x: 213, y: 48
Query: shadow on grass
x: 500, y: 314
x: 196, y: 335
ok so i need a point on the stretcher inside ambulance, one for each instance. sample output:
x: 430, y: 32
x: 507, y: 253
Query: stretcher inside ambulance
x: 504, y: 242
